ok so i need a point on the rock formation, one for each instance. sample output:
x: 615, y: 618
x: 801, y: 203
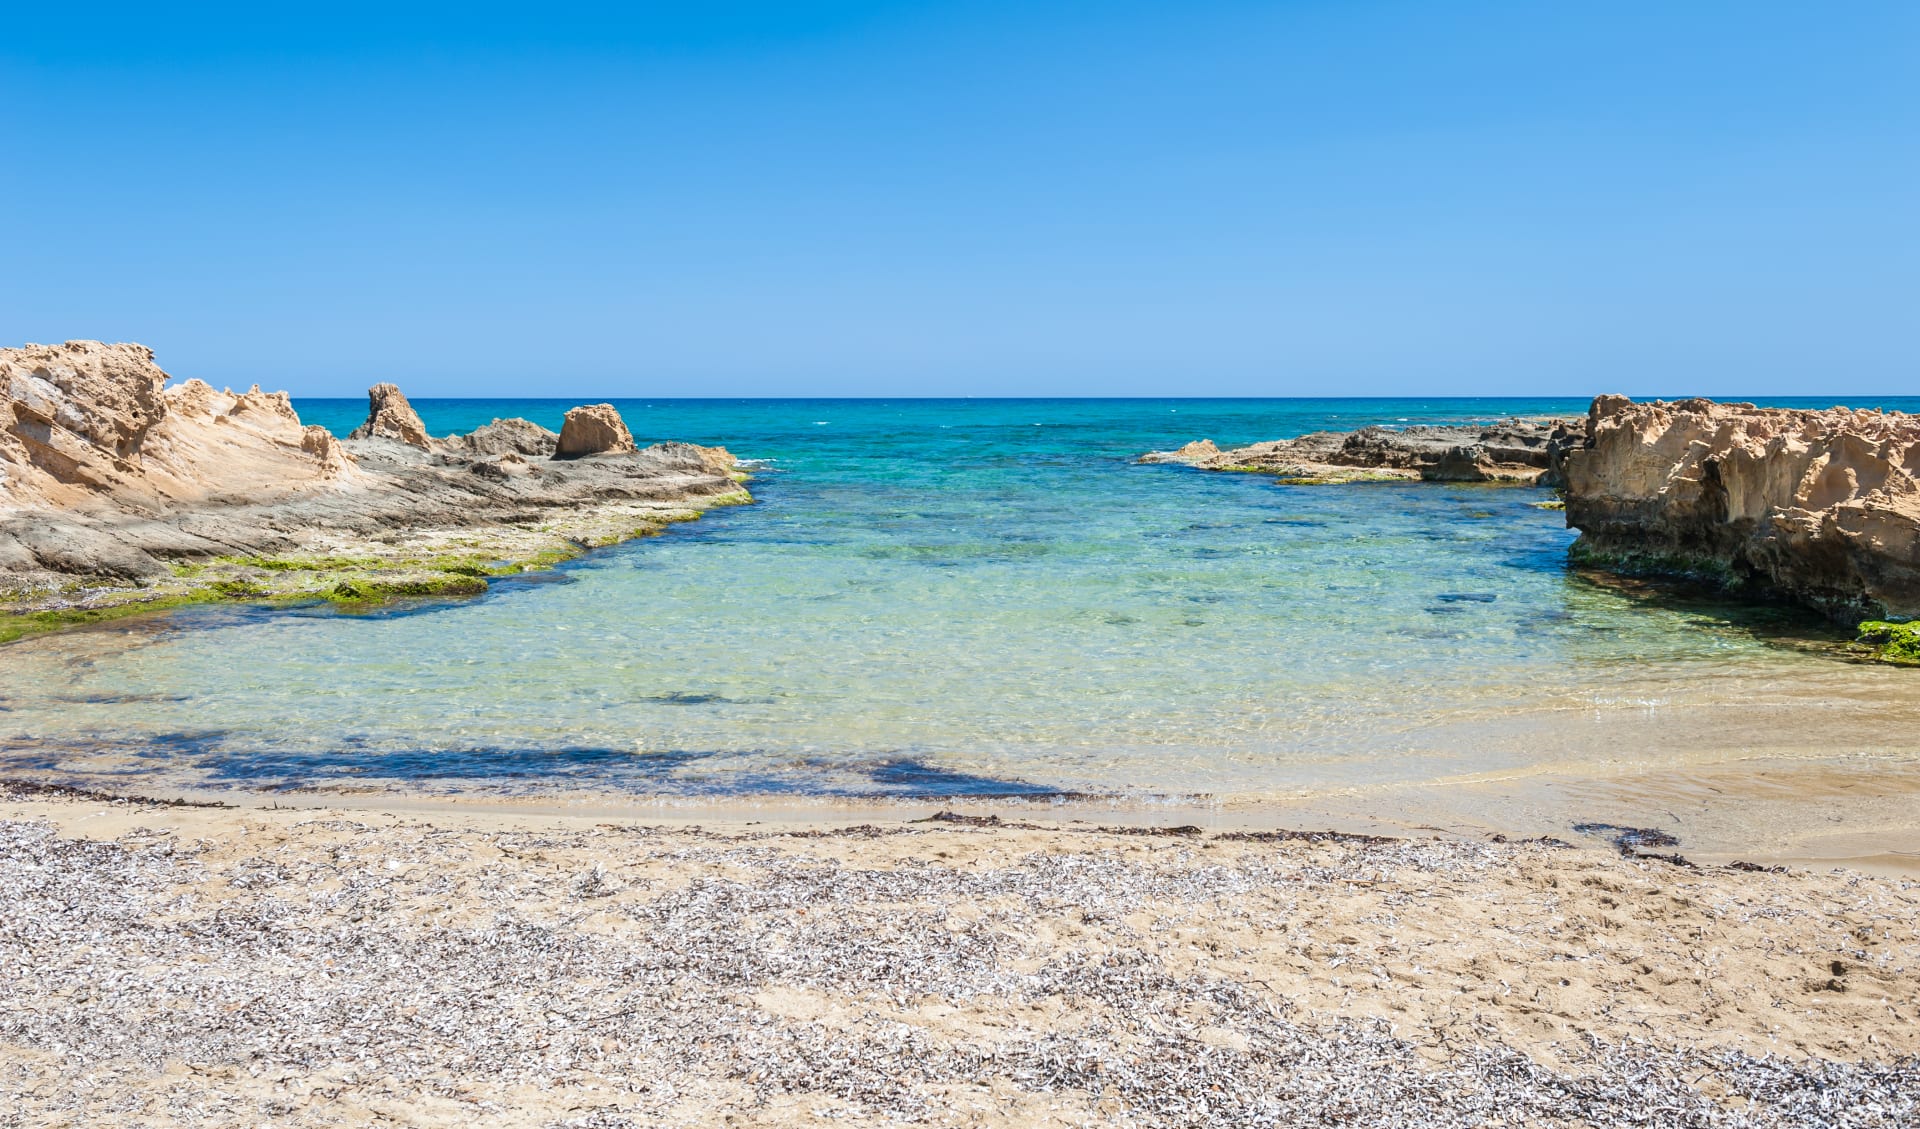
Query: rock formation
x: 92, y: 426
x: 1818, y: 506
x: 131, y: 490
x: 595, y: 429
x: 1519, y: 451
x: 507, y: 436
x: 389, y: 416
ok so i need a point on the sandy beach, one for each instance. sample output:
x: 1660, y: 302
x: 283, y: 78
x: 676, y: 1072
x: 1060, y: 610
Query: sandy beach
x: 176, y: 966
x: 702, y: 566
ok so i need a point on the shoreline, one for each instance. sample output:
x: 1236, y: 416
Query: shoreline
x: 212, y: 966
x: 450, y: 564
x: 123, y: 494
x: 1863, y: 816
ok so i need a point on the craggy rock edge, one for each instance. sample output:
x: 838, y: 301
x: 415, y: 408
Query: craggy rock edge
x: 1820, y: 508
x: 1517, y: 451
x: 1817, y: 507
x: 119, y: 494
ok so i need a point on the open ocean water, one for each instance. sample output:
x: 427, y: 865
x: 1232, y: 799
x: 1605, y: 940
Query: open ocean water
x: 973, y: 597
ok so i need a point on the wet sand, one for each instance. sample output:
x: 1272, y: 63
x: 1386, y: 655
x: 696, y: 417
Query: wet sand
x: 479, y: 966
x: 1859, y: 812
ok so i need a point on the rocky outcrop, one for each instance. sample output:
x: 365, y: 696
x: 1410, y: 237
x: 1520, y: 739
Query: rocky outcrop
x: 1514, y: 451
x: 88, y: 426
x: 124, y: 489
x: 719, y: 460
x: 595, y: 429
x: 1817, y: 506
x: 81, y: 410
x: 326, y: 450
x: 390, y: 416
x: 507, y: 436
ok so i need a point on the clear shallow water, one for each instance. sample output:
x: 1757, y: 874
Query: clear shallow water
x: 972, y: 597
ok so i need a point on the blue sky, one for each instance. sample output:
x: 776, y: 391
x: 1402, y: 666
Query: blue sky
x: 1206, y: 198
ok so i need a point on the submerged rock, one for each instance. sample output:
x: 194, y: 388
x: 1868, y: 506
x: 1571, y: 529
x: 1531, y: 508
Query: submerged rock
x: 595, y: 429
x: 1822, y: 507
x: 390, y: 416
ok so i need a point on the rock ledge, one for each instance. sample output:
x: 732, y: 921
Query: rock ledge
x: 118, y: 492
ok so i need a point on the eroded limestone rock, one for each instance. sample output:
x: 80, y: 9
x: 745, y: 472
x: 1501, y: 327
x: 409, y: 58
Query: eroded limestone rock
x: 117, y: 491
x: 507, y: 436
x: 90, y: 425
x: 1818, y: 506
x: 390, y: 416
x: 593, y: 429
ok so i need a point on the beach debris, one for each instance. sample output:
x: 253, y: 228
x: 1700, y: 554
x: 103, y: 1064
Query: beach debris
x: 319, y: 971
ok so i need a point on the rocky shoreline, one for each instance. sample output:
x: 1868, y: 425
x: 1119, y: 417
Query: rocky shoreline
x: 1820, y: 508
x: 1516, y: 451
x: 120, y: 494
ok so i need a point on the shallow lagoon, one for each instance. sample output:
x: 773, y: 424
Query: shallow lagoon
x: 975, y: 598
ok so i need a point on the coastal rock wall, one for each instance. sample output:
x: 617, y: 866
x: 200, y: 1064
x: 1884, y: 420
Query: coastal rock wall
x: 1818, y: 506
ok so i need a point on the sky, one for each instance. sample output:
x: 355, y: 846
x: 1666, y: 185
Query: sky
x: 891, y: 199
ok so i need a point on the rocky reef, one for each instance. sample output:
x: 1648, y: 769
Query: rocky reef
x: 1820, y: 507
x: 1513, y: 451
x: 119, y: 492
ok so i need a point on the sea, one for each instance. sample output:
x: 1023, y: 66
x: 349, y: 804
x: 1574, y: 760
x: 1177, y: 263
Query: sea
x: 950, y: 599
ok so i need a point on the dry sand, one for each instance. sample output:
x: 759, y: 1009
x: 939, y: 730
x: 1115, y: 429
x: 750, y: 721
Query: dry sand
x: 171, y: 966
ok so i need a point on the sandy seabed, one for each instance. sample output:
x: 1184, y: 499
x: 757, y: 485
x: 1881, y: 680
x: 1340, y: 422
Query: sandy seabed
x: 193, y: 966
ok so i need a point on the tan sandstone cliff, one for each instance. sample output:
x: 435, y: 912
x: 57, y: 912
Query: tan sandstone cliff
x: 1817, y: 506
x: 88, y: 426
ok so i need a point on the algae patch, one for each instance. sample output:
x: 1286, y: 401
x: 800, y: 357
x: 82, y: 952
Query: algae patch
x: 359, y: 573
x: 19, y: 625
x: 1895, y: 643
x: 1701, y: 569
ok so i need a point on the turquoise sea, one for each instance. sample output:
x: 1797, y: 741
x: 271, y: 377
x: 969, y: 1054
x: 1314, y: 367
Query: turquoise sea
x: 972, y: 597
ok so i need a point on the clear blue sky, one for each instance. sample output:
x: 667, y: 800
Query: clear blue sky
x: 1104, y: 198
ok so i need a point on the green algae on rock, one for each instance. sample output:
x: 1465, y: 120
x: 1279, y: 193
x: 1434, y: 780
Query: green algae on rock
x: 1649, y: 563
x: 182, y: 495
x: 1895, y: 643
x: 432, y: 566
